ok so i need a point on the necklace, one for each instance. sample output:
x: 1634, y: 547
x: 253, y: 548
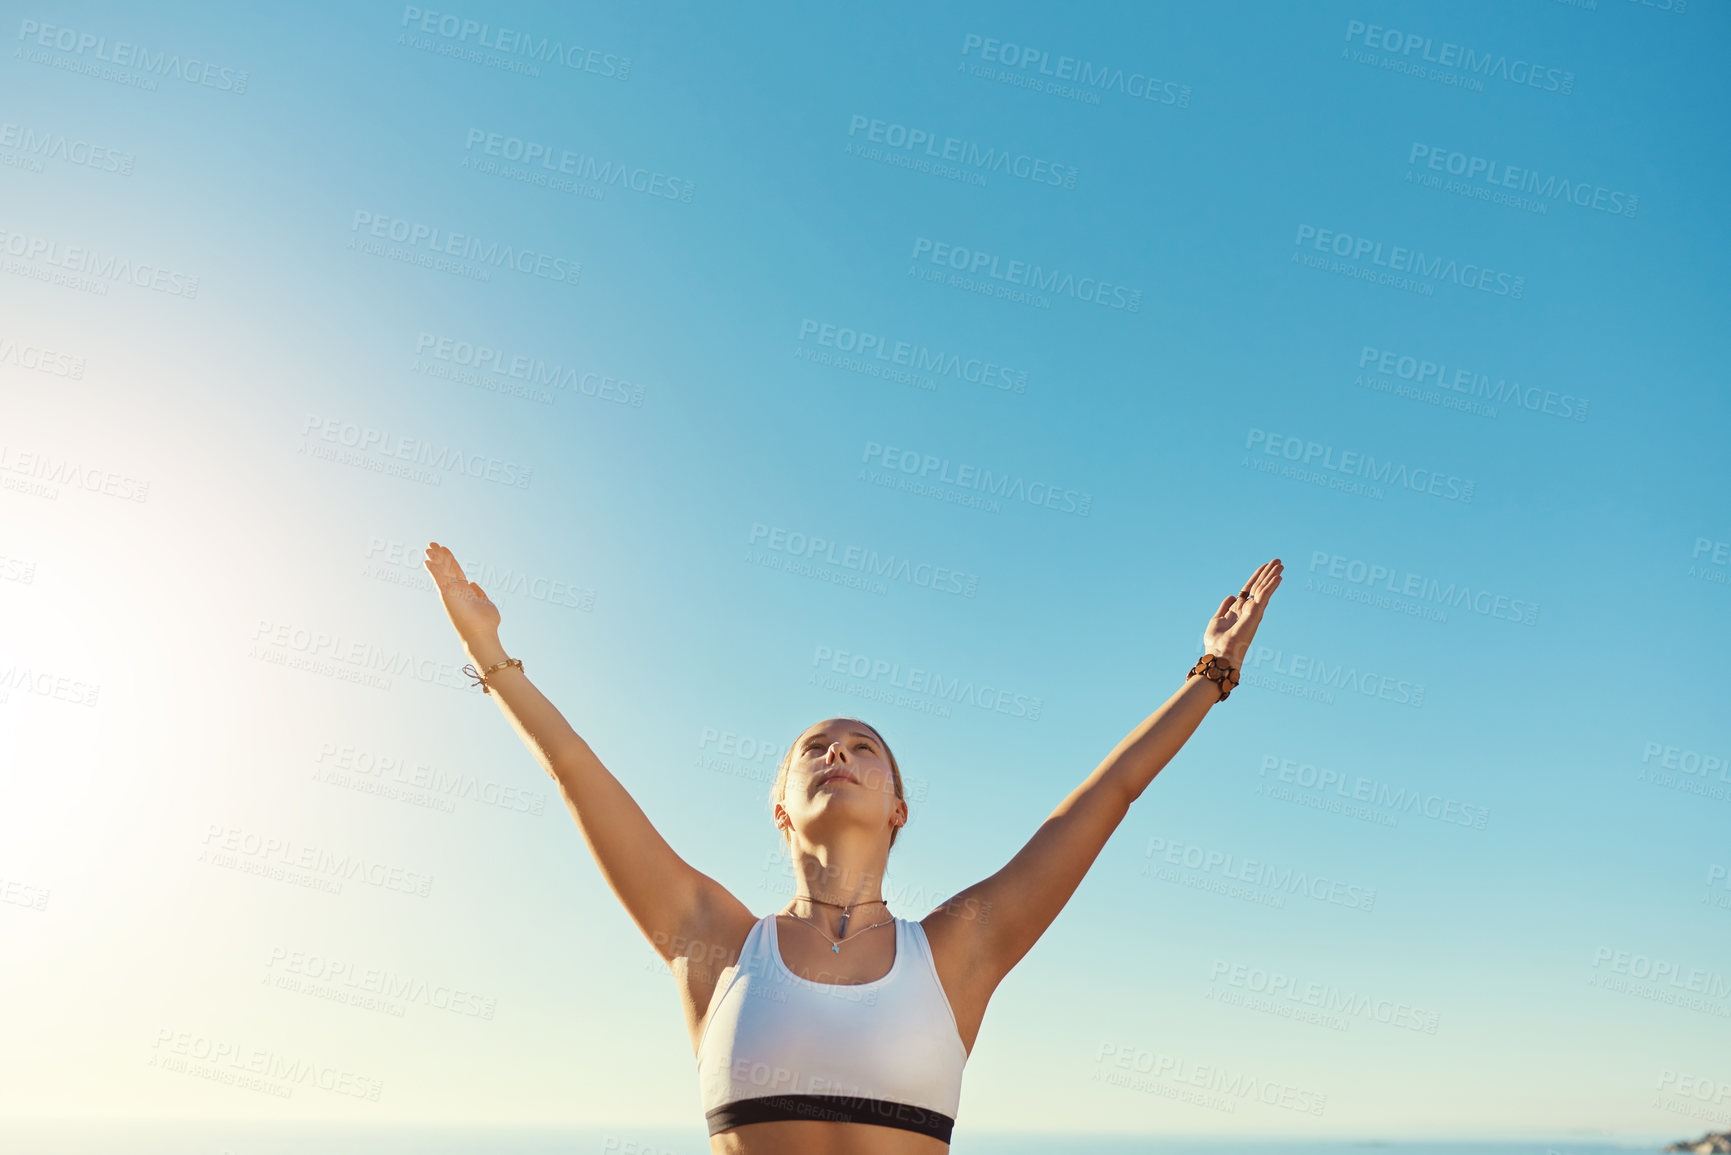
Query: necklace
x: 846, y: 911
x: 835, y: 944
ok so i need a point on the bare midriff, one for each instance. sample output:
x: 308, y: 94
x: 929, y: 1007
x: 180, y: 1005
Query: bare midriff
x: 807, y: 1137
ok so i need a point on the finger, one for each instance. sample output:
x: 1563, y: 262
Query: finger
x: 1266, y: 592
x: 440, y: 568
x: 1254, y: 583
x: 449, y: 568
x: 1226, y: 606
x: 1250, y: 583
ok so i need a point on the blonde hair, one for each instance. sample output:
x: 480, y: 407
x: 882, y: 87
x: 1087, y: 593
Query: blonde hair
x: 778, y: 791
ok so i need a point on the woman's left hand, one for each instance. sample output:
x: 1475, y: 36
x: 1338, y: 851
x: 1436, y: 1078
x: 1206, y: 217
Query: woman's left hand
x: 1234, y: 624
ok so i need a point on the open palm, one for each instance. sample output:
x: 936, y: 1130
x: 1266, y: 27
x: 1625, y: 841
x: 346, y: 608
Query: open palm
x: 1234, y: 623
x: 471, y: 611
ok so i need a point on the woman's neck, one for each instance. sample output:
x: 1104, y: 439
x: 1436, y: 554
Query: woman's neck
x: 825, y: 889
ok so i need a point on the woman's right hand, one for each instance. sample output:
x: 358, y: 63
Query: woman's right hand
x: 1229, y: 632
x: 471, y: 611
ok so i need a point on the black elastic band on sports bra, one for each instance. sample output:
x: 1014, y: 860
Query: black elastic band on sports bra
x: 830, y: 1108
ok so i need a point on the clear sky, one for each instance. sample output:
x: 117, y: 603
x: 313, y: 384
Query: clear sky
x: 943, y: 369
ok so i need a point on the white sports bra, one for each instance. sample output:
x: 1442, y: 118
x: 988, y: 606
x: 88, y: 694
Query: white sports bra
x: 778, y: 1046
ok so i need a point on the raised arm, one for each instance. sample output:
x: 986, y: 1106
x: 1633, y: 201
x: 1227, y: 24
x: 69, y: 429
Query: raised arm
x: 992, y: 924
x: 666, y: 897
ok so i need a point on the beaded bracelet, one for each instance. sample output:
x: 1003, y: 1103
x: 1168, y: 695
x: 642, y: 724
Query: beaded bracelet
x: 480, y: 676
x: 1218, y: 670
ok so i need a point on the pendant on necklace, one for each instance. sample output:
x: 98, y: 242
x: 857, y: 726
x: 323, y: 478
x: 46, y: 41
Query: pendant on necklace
x: 835, y: 948
x: 842, y: 933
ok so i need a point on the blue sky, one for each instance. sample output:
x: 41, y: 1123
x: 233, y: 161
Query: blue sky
x: 1440, y: 337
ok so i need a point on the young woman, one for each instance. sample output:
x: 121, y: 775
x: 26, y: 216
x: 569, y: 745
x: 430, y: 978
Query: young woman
x: 834, y: 1027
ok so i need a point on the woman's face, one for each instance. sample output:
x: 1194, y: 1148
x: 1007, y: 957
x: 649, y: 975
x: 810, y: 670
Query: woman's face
x: 840, y: 774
